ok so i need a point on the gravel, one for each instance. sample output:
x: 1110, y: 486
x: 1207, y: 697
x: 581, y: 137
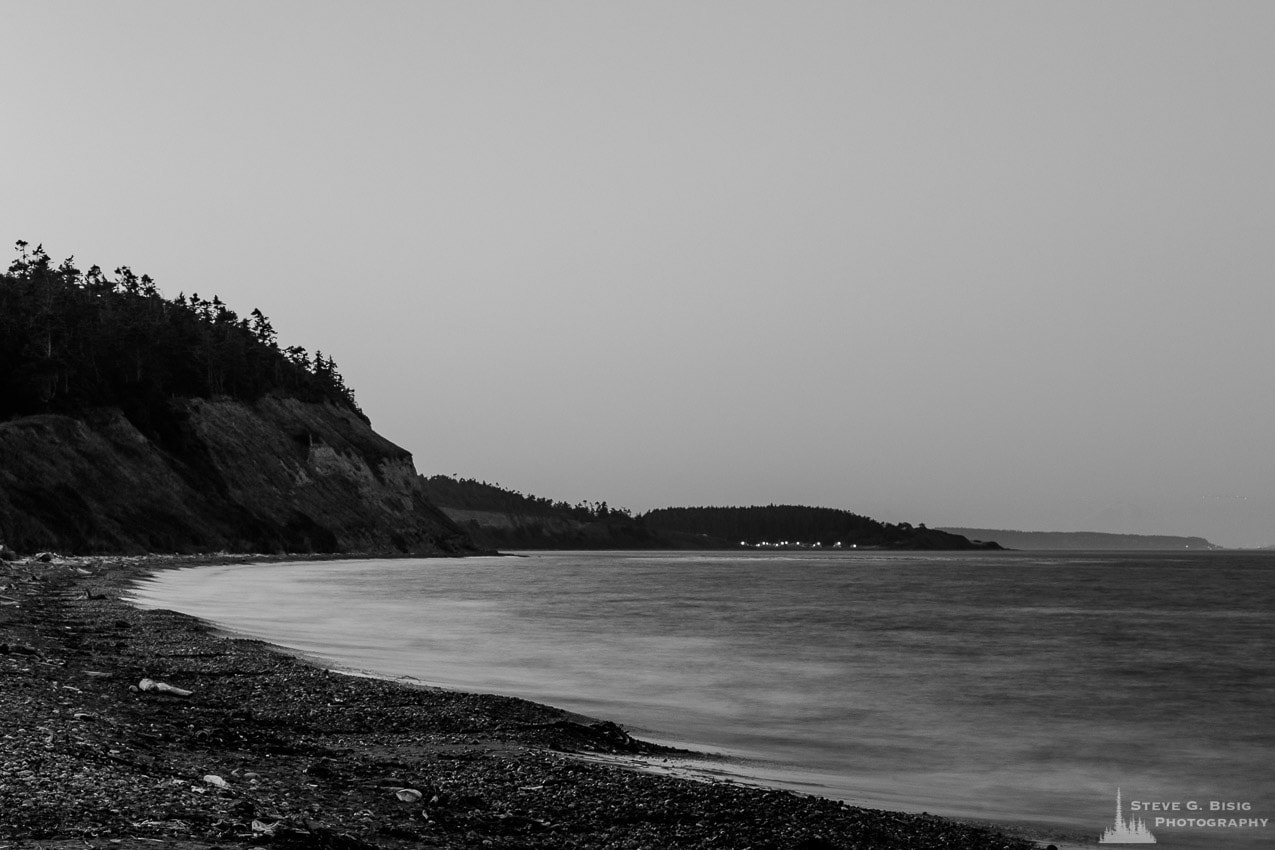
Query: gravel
x: 269, y: 750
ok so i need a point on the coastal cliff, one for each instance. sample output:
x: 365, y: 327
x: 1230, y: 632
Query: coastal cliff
x: 131, y: 422
x: 273, y: 475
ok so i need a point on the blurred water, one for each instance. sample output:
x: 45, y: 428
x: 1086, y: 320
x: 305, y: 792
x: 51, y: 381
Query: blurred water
x: 1010, y: 686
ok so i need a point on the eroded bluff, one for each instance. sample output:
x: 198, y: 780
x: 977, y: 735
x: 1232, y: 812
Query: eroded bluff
x: 276, y: 475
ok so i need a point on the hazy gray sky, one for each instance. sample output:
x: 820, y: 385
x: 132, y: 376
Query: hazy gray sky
x: 1000, y: 264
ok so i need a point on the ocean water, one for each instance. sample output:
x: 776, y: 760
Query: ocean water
x: 1018, y: 687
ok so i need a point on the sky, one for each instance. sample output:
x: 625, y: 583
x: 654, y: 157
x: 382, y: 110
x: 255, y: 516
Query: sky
x: 992, y: 264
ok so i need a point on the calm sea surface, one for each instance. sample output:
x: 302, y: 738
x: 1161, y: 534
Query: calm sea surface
x: 1020, y: 687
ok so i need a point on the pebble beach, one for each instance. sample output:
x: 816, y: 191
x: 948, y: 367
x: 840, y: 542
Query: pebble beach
x: 131, y: 728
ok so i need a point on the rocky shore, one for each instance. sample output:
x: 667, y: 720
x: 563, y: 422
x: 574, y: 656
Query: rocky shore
x: 125, y: 728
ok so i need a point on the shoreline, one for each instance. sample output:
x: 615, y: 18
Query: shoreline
x: 270, y: 749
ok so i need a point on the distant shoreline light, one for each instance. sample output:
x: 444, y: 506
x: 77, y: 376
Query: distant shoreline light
x: 792, y: 544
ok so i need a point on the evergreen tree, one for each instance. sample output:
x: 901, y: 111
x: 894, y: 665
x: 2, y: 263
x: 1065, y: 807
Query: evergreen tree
x: 71, y: 341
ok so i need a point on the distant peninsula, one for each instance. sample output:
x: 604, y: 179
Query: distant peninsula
x: 499, y: 518
x: 1083, y: 540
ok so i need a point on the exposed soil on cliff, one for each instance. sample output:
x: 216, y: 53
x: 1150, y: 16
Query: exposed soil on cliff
x: 273, y: 475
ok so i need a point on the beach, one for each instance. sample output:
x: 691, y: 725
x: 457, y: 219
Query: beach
x: 131, y: 728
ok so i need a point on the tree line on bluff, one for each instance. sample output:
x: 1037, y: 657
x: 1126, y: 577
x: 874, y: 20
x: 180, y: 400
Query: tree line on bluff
x: 472, y: 494
x: 793, y: 525
x: 72, y: 340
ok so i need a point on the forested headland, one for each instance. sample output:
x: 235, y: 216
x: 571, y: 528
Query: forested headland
x: 799, y: 526
x: 500, y: 518
x: 71, y: 340
x: 133, y: 422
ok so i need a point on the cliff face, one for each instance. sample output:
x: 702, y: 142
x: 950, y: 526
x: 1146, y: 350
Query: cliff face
x: 275, y: 475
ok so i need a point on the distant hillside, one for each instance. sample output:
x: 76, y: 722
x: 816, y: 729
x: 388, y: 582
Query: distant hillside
x: 499, y: 518
x: 1078, y: 540
x: 131, y: 422
x: 794, y: 526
